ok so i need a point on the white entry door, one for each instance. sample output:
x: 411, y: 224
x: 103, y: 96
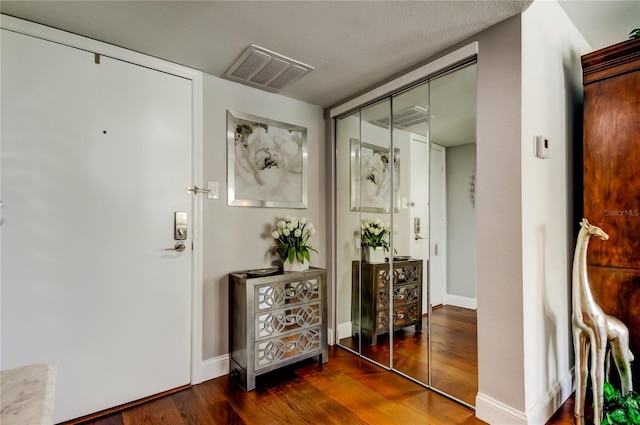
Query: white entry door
x: 419, y: 210
x: 95, y: 160
x: 438, y: 225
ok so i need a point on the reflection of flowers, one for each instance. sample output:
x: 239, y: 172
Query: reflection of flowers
x: 374, y: 233
x: 292, y: 236
x: 268, y: 162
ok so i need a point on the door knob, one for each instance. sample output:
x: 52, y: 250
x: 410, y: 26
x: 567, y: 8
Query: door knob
x: 178, y: 247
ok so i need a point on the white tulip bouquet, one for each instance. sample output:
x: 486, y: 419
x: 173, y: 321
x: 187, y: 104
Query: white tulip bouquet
x: 292, y: 236
x: 374, y: 233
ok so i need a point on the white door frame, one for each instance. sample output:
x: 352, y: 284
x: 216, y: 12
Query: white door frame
x: 442, y: 244
x: 50, y: 34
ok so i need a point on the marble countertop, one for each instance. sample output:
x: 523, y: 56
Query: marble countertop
x: 27, y: 395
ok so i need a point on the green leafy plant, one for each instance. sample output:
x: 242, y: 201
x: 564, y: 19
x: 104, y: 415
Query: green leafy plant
x: 618, y: 410
x: 292, y: 236
x: 374, y: 233
x: 635, y: 33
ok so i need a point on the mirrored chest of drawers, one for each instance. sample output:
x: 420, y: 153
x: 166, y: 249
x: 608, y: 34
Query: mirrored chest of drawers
x: 376, y: 279
x: 275, y: 321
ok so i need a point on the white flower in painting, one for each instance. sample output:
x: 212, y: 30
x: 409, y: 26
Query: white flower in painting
x: 303, y: 220
x: 275, y: 235
x: 281, y: 224
x: 286, y: 232
x: 375, y: 178
x: 268, y: 162
x: 297, y: 233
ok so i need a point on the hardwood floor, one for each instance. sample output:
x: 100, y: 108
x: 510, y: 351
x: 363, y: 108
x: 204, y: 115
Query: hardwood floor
x: 346, y: 390
x: 564, y: 415
x: 454, y: 352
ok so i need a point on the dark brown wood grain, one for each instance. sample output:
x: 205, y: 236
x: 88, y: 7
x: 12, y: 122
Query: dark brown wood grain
x: 611, y: 179
x: 564, y: 415
x: 614, y: 60
x: 612, y: 169
x: 617, y: 292
x: 346, y: 390
x: 453, y: 352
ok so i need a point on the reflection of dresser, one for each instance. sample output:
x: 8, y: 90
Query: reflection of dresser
x: 407, y: 297
x: 275, y: 321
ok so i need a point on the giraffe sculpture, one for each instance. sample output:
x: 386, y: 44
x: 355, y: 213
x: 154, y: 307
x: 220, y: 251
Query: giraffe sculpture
x: 593, y: 331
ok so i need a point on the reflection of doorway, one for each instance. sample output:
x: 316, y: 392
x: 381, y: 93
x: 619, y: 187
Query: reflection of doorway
x: 419, y: 207
x: 438, y: 224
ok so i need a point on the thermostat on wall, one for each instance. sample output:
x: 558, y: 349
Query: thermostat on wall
x: 542, y: 147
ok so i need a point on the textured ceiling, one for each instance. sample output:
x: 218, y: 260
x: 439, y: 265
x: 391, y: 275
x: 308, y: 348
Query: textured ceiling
x: 351, y: 44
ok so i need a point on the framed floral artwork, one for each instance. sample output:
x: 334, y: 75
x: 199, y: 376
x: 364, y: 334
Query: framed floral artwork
x: 372, y: 169
x: 266, y: 162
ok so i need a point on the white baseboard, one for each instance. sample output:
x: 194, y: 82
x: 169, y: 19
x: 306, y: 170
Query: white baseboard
x: 458, y: 301
x: 497, y: 413
x: 344, y: 330
x: 548, y: 405
x: 215, y: 367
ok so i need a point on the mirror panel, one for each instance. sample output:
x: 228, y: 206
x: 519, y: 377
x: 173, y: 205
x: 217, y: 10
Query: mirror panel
x: 347, y: 238
x: 376, y: 191
x: 453, y: 328
x: 411, y: 233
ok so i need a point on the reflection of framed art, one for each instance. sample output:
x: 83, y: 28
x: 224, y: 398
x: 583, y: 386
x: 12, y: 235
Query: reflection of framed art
x: 371, y: 170
x: 266, y: 162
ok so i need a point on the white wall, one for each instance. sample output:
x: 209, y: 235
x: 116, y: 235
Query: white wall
x: 461, y: 224
x: 237, y: 238
x: 551, y: 89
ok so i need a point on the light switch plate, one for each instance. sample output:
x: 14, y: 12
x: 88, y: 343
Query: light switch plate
x: 214, y: 190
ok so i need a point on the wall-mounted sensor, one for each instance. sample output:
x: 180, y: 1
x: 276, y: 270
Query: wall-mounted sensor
x: 542, y: 147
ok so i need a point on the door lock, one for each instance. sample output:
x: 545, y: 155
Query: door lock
x: 180, y: 226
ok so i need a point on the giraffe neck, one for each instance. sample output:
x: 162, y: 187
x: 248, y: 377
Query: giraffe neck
x: 583, y: 302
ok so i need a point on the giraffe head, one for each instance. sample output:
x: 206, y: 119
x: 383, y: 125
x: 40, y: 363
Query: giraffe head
x: 593, y: 230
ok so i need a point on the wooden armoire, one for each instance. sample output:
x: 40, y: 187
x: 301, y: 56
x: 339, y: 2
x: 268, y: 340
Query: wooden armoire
x: 611, y: 180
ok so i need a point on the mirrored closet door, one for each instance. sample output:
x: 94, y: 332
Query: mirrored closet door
x: 453, y: 336
x: 405, y: 177
x: 365, y: 180
x: 410, y: 123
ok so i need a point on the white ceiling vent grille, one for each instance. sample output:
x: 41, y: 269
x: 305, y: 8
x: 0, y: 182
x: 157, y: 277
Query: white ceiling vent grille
x: 265, y: 69
x: 409, y: 117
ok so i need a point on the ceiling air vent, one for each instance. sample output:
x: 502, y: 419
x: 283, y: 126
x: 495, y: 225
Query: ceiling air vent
x: 408, y: 117
x: 265, y: 69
